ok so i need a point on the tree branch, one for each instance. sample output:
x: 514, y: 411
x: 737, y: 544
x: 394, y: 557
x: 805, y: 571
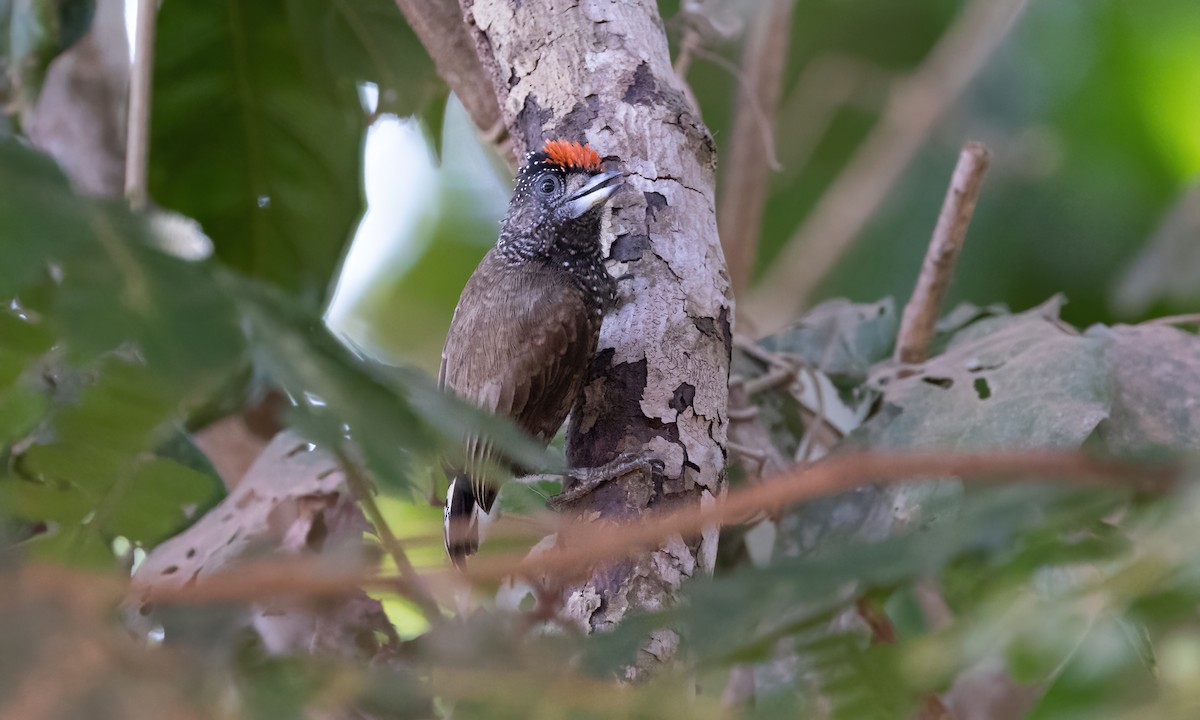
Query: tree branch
x: 584, y: 545
x: 438, y: 24
x: 137, y: 144
x: 751, y: 148
x: 916, y: 106
x: 589, y: 544
x: 921, y: 312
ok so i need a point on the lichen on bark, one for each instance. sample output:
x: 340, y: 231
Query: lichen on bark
x: 599, y: 71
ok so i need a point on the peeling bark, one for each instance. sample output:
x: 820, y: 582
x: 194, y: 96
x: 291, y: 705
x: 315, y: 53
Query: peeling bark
x: 599, y: 71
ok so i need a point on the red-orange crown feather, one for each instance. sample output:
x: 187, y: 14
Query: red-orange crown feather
x: 572, y: 155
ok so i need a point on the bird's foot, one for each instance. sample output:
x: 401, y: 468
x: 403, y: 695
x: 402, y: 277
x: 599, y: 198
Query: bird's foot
x: 581, y: 482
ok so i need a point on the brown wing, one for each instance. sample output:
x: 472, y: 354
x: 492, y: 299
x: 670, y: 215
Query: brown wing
x: 518, y: 346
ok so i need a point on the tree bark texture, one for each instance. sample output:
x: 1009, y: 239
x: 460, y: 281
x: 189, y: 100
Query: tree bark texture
x: 599, y: 71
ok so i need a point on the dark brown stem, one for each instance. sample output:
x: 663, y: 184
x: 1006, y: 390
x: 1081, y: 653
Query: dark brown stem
x: 921, y: 312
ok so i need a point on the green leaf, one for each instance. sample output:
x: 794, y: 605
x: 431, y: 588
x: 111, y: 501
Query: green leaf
x: 841, y: 338
x: 161, y: 499
x: 1156, y: 380
x: 393, y: 414
x: 55, y: 502
x: 143, y: 338
x: 253, y: 142
x: 367, y: 41
x: 1013, y: 382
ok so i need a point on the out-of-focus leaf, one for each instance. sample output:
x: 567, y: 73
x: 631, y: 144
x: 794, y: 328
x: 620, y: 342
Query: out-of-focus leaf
x: 1019, y: 381
x: 393, y: 414
x: 161, y: 499
x: 1156, y: 388
x: 1166, y: 273
x: 841, y: 338
x: 247, y: 139
x: 367, y: 41
x: 1104, y: 677
x: 142, y: 339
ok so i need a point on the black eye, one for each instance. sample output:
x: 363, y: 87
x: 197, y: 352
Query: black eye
x: 548, y: 184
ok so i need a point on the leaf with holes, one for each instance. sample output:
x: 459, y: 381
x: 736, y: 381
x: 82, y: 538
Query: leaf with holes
x: 1022, y: 381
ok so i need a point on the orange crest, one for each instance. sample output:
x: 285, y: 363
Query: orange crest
x: 572, y: 155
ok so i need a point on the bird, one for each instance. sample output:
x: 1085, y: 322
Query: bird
x: 528, y: 320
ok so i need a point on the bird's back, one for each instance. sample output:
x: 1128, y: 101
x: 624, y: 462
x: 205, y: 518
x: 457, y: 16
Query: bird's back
x: 519, y: 347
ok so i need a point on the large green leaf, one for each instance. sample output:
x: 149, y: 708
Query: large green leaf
x: 367, y: 40
x: 394, y: 415
x: 139, y: 340
x: 254, y: 142
x: 1016, y: 381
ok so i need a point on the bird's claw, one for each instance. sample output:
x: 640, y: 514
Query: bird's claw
x: 584, y: 481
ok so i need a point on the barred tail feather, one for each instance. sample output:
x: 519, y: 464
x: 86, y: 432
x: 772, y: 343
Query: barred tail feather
x: 461, y: 521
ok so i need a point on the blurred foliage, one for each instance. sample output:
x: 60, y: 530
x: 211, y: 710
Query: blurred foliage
x: 32, y: 34
x: 258, y: 121
x: 1089, y: 110
x: 113, y: 349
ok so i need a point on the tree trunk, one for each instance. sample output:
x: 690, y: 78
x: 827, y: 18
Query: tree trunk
x: 600, y: 72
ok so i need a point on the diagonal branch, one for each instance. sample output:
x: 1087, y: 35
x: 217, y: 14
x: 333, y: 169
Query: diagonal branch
x: 751, y: 152
x: 439, y: 26
x: 914, y: 110
x: 921, y: 312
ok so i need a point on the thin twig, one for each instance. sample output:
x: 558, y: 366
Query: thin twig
x: 752, y: 158
x: 914, y: 110
x: 141, y: 81
x: 583, y: 545
x: 360, y: 488
x: 921, y: 312
x: 683, y: 61
x: 826, y: 84
x: 587, y: 544
x: 1187, y: 319
x: 763, y: 122
x: 770, y: 380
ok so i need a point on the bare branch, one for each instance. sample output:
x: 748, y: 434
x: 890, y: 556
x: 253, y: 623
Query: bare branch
x: 584, y: 545
x: 1186, y: 319
x: 916, y: 106
x: 439, y: 26
x: 921, y: 312
x: 137, y: 144
x: 751, y: 154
